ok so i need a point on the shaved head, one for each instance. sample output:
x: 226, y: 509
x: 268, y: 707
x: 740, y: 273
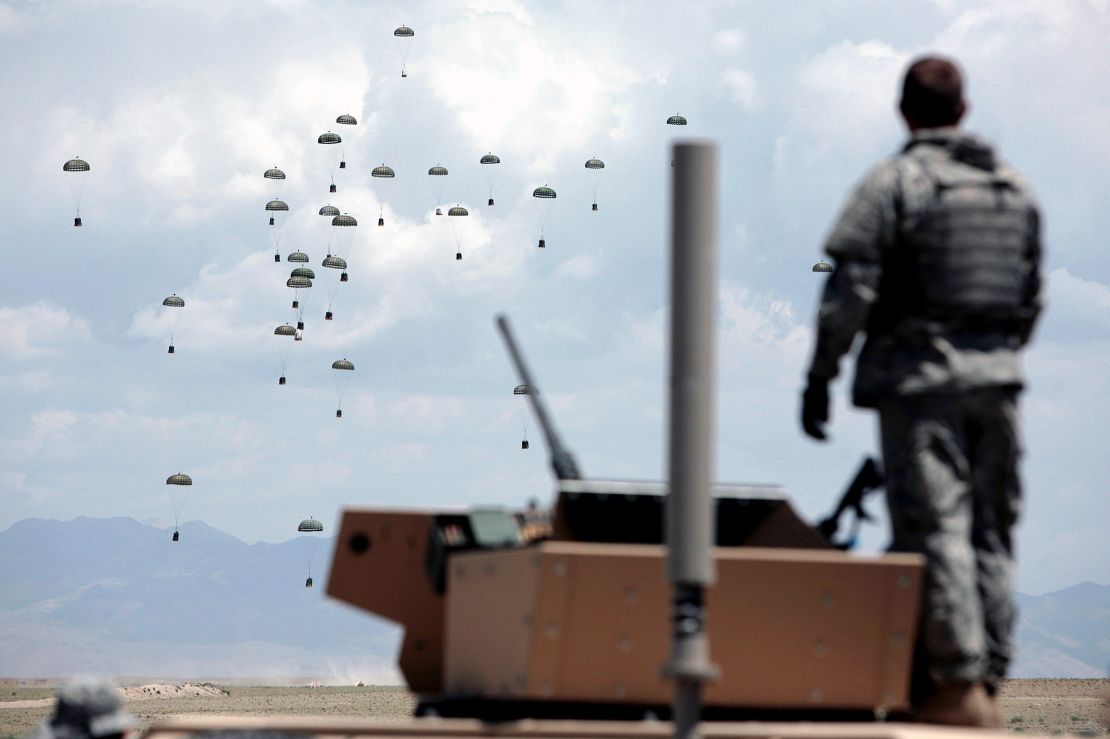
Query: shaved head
x: 932, y: 93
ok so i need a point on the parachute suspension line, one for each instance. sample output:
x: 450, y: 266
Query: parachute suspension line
x: 594, y: 167
x: 522, y: 413
x: 76, y: 170
x: 341, y: 365
x: 543, y: 196
x: 403, y: 35
x: 177, y: 498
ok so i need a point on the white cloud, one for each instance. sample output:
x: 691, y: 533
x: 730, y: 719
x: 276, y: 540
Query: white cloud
x: 530, y: 81
x: 728, y: 41
x: 742, y: 86
x: 31, y: 381
x: 39, y: 331
x: 1078, y: 309
x: 845, y: 97
x: 10, y: 20
x: 46, y: 426
x: 580, y: 267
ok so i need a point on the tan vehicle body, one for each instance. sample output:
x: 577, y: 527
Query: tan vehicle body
x: 587, y: 622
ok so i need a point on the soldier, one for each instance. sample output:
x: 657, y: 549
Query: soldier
x: 86, y: 708
x: 937, y: 256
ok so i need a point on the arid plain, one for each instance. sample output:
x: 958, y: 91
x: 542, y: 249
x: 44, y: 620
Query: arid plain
x: 1031, y: 706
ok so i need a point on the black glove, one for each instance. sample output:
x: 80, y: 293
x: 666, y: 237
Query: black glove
x: 815, y: 407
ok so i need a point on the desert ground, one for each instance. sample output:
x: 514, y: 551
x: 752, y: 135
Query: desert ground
x: 1045, y: 707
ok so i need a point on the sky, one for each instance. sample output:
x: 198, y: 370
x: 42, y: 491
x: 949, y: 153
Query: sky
x: 180, y: 107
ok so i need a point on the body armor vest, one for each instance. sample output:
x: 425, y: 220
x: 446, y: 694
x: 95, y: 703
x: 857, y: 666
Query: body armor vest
x: 964, y: 256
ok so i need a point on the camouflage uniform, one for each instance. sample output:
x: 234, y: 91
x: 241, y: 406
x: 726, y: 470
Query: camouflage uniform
x: 945, y: 383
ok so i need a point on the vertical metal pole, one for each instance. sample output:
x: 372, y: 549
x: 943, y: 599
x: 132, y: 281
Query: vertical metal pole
x: 692, y: 422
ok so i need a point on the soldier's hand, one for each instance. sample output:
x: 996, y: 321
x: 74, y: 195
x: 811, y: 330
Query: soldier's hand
x: 815, y: 408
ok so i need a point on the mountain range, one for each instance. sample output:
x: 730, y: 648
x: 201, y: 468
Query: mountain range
x: 115, y: 596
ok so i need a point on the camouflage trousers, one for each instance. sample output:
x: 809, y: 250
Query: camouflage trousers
x: 954, y: 496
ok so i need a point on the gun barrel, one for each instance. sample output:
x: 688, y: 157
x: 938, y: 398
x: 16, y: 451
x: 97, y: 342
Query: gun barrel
x: 563, y: 462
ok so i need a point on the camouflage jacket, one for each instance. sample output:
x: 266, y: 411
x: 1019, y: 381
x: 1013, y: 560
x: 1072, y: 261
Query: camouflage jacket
x: 925, y: 358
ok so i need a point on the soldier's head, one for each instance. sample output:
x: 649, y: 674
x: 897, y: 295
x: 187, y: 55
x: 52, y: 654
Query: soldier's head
x: 932, y: 93
x: 87, y: 708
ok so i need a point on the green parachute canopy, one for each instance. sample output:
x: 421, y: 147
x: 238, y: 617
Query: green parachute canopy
x: 274, y: 174
x: 310, y: 525
x: 544, y: 192
x: 335, y: 262
x: 521, y: 390
x: 285, y: 330
x: 329, y: 210
x: 297, y: 256
x: 179, y: 479
x: 382, y: 171
x: 303, y: 272
x: 344, y: 221
x: 458, y: 210
x: 76, y: 165
x: 595, y: 164
x: 404, y: 32
x: 822, y: 266
x: 342, y: 364
x: 173, y: 302
x: 347, y: 120
x: 490, y: 158
x: 298, y: 282
x: 277, y: 205
x: 676, y: 120
x: 437, y: 171
x: 329, y: 138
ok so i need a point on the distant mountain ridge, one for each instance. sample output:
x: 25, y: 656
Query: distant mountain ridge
x: 1065, y: 633
x: 115, y: 596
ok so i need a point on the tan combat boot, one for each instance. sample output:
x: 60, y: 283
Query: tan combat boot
x: 960, y: 704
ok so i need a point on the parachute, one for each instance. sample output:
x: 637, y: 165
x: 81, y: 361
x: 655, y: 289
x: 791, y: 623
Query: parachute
x: 276, y: 206
x: 544, y: 196
x: 595, y: 166
x: 822, y: 266
x: 332, y: 154
x: 297, y: 256
x: 309, y: 543
x: 173, y: 302
x: 344, y: 120
x: 274, y: 174
x: 343, y: 233
x: 676, y: 120
x: 522, y: 390
x: 437, y: 173
x: 379, y: 175
x: 403, y: 35
x: 277, y: 222
x: 177, y: 498
x: 341, y: 381
x: 490, y: 171
x: 456, y: 227
x: 299, y: 282
x: 329, y: 210
x: 286, y: 346
x: 76, y: 169
x: 334, y: 263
